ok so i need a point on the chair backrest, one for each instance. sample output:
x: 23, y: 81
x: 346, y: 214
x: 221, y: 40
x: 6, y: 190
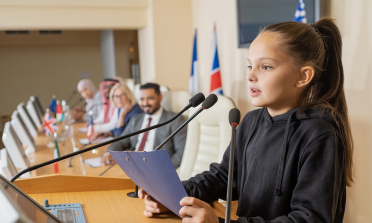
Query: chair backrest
x: 22, y: 132
x: 175, y: 101
x: 33, y: 113
x: 15, y: 149
x: 31, y: 126
x: 130, y: 82
x: 7, y: 168
x: 39, y: 108
x: 208, y: 136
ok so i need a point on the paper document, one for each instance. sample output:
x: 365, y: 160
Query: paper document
x: 154, y: 173
x: 85, y: 129
x: 94, y: 162
x: 85, y: 141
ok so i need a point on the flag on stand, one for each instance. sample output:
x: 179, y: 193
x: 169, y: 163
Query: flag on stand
x: 300, y: 15
x: 56, y: 153
x: 49, y: 126
x: 59, y: 112
x: 53, y: 105
x: 216, y: 84
x: 90, y: 126
x: 194, y: 77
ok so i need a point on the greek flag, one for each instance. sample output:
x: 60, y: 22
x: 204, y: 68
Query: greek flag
x: 300, y: 15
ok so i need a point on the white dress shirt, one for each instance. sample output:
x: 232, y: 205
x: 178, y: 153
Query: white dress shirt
x: 149, y: 145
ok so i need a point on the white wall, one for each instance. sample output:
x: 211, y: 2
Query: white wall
x: 355, y: 22
x: 233, y: 63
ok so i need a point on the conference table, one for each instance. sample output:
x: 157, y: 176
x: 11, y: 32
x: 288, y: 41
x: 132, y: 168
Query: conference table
x: 103, y: 198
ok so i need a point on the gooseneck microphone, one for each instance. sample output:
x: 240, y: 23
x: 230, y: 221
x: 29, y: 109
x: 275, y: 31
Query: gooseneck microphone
x: 234, y: 119
x: 72, y: 94
x: 209, y: 102
x: 193, y: 102
x: 77, y: 102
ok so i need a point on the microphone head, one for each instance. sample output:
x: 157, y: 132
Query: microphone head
x: 197, y: 99
x: 234, y: 117
x: 209, y: 101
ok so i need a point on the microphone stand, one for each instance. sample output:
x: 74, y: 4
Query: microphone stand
x: 20, y: 173
x: 69, y: 98
x: 231, y: 175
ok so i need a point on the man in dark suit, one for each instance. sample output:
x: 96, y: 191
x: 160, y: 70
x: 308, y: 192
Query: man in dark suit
x: 154, y: 113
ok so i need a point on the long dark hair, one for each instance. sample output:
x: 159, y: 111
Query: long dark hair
x: 320, y: 44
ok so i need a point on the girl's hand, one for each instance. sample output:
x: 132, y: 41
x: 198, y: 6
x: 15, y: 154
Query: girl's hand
x: 196, y: 211
x: 152, y: 205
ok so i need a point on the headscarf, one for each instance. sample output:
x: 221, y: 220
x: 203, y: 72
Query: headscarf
x: 105, y: 101
x: 88, y: 84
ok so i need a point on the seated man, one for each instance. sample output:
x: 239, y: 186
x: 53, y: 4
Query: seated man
x: 150, y: 98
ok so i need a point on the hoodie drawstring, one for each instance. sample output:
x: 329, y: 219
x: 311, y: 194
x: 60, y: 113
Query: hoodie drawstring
x: 278, y: 189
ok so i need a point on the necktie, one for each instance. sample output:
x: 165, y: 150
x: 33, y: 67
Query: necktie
x: 144, y: 138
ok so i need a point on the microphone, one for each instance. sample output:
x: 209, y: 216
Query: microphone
x: 193, y: 102
x: 72, y: 94
x: 209, y: 102
x: 77, y: 102
x: 234, y: 119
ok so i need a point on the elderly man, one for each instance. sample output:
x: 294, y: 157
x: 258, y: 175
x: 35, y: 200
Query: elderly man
x: 154, y: 113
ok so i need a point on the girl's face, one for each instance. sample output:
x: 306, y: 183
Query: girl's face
x: 86, y: 93
x: 120, y: 98
x: 272, y: 75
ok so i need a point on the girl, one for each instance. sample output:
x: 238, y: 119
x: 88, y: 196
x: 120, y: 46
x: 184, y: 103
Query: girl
x: 92, y: 101
x: 293, y: 157
x: 125, y: 107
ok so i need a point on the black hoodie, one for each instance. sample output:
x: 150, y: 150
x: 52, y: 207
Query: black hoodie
x: 289, y: 168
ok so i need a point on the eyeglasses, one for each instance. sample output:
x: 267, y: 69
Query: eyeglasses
x: 119, y: 96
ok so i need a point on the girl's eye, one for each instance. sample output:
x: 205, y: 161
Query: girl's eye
x: 249, y: 68
x: 265, y: 67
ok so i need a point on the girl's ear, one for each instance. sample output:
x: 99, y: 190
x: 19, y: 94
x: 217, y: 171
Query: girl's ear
x: 305, y: 77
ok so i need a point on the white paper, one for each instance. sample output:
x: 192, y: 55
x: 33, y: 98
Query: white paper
x: 93, y: 162
x: 85, y: 141
x: 82, y: 130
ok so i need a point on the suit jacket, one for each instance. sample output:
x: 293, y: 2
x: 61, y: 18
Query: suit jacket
x: 174, y: 147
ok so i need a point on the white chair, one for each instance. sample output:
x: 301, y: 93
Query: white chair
x: 15, y: 149
x: 27, y: 119
x: 208, y: 136
x: 175, y: 101
x: 22, y: 132
x: 130, y: 82
x: 7, y: 168
x: 33, y: 113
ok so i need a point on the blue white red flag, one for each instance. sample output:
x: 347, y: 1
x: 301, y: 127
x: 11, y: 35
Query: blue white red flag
x: 49, y: 126
x: 53, y: 105
x: 90, y: 126
x: 194, y: 77
x: 216, y: 83
x: 300, y: 15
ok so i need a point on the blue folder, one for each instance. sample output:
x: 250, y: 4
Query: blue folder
x: 154, y: 173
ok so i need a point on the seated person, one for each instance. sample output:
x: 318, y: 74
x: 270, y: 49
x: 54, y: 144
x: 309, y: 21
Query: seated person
x: 150, y: 99
x: 107, y: 110
x: 93, y: 101
x: 125, y: 107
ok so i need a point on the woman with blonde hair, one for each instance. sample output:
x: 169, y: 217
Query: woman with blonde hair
x: 125, y: 107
